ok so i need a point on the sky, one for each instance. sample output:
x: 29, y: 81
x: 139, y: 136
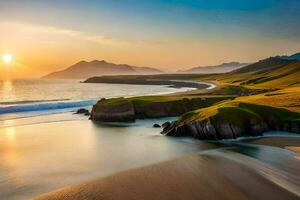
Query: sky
x: 49, y: 35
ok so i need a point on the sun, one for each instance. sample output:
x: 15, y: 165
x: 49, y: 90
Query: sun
x: 7, y: 58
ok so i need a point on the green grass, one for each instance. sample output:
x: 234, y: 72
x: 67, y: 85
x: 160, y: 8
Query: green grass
x: 280, y: 77
x: 144, y: 100
x: 239, y: 113
x: 115, y: 101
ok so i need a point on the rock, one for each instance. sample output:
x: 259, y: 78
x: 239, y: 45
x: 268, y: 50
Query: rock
x: 171, y: 129
x: 122, y: 109
x: 224, y: 125
x: 156, y: 126
x: 166, y: 124
x: 118, y: 110
x: 83, y: 111
x: 211, y: 130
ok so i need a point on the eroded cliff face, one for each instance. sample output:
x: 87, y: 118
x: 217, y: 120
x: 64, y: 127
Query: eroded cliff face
x: 113, y: 112
x: 121, y: 109
x: 211, y: 129
x: 245, y: 123
x: 227, y: 120
x: 168, y: 108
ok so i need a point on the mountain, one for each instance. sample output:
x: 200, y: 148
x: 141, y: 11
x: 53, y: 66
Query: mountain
x: 272, y: 72
x: 262, y: 65
x: 83, y: 70
x: 223, y: 68
x: 295, y: 56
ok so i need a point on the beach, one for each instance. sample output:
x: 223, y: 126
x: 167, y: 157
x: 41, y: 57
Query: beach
x: 210, y: 175
x: 44, y: 153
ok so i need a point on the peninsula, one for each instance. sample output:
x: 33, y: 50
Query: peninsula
x: 259, y: 97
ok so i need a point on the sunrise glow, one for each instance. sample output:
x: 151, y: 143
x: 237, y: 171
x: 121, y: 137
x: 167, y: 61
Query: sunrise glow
x: 7, y: 58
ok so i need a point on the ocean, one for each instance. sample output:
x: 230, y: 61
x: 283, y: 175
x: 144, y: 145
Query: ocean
x: 19, y: 98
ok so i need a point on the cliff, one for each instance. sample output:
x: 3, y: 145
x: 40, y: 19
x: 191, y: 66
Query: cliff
x: 122, y: 109
x: 233, y: 119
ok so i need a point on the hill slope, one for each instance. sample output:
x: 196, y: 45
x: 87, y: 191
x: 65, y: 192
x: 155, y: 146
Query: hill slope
x: 223, y: 68
x: 83, y: 70
x: 262, y: 65
x: 271, y: 72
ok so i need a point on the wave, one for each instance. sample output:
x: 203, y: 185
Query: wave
x: 44, y: 106
x: 30, y: 101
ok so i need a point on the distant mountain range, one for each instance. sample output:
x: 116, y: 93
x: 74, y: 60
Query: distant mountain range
x: 222, y: 68
x: 83, y: 70
x: 292, y: 57
x: 233, y: 66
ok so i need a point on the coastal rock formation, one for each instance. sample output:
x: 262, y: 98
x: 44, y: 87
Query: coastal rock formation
x: 214, y: 130
x: 114, y: 111
x: 122, y: 109
x: 83, y: 111
x: 229, y: 122
x: 156, y: 126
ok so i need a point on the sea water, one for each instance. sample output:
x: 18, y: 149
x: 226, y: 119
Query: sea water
x: 19, y: 98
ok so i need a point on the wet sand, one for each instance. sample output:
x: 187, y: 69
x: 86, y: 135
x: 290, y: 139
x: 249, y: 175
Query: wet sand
x: 123, y: 160
x: 207, y: 177
x: 279, y: 141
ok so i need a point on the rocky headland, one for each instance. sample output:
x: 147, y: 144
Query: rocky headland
x: 123, y: 109
x: 214, y: 116
x: 263, y: 96
x: 231, y: 120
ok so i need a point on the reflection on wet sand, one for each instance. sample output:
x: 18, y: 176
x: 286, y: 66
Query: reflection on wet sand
x: 68, y: 152
x: 71, y: 152
x: 206, y: 176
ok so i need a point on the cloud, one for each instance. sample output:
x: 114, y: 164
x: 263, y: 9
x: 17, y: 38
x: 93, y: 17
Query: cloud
x: 73, y: 34
x: 95, y: 38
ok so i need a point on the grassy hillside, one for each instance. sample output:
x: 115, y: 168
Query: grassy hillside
x: 288, y: 98
x: 279, y: 77
x: 238, y: 112
x: 144, y: 100
x: 286, y: 76
x: 264, y: 74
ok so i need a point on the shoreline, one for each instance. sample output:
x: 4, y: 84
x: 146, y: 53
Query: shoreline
x: 149, y: 80
x: 28, y: 107
x: 77, y: 151
x: 190, y: 176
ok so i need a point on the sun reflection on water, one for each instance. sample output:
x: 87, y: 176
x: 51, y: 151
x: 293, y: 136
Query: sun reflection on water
x: 10, y: 133
x: 7, y: 89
